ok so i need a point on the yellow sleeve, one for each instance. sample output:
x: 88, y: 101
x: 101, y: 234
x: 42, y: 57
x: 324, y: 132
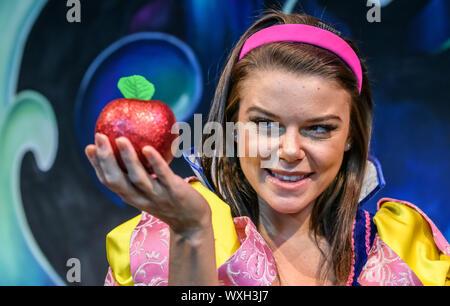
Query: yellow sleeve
x: 118, y: 251
x: 225, y: 237
x: 409, y: 235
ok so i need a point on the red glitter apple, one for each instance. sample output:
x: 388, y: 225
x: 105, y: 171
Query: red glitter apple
x: 142, y: 120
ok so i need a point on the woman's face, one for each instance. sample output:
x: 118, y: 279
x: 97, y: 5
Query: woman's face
x: 313, y: 115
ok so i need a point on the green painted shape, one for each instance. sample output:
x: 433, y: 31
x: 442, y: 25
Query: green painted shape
x: 27, y: 123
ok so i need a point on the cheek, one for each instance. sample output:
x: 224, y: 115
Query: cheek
x: 326, y: 158
x: 327, y: 155
x: 250, y: 169
x: 255, y: 154
x: 255, y: 146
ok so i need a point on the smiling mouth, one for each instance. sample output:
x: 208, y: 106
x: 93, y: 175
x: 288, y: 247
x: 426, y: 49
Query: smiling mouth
x: 288, y: 178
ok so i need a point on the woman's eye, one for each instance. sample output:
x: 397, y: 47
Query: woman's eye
x: 267, y: 127
x: 319, y: 130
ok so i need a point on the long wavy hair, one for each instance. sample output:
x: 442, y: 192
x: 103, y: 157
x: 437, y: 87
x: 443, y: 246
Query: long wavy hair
x: 335, y: 209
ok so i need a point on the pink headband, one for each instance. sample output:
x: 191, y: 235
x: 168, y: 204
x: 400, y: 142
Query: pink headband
x: 310, y: 35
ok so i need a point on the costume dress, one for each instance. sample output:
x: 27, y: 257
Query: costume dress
x: 398, y: 246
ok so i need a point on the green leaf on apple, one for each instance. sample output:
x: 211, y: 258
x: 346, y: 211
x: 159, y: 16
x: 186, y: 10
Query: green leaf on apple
x: 136, y: 87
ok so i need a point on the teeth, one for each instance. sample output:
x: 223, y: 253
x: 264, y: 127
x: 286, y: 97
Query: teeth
x: 287, y: 178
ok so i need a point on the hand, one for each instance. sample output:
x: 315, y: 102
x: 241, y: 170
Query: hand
x: 163, y: 194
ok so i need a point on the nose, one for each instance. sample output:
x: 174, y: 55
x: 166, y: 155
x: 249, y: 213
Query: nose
x: 291, y: 146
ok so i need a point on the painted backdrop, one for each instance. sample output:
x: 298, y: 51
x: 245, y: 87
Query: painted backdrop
x: 55, y: 77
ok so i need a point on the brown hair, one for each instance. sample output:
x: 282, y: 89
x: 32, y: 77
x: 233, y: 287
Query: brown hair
x: 335, y: 209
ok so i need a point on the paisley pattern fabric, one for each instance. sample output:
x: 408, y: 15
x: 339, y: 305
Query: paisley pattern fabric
x: 109, y: 280
x: 385, y: 268
x: 253, y: 263
x: 149, y: 252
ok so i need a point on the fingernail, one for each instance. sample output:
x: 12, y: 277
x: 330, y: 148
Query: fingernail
x: 99, y: 141
x: 146, y: 149
x: 120, y: 144
x: 88, y: 152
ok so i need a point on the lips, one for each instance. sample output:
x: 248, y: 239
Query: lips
x: 288, y: 176
x: 288, y: 181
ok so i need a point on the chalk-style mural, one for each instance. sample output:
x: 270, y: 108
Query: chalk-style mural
x: 56, y: 75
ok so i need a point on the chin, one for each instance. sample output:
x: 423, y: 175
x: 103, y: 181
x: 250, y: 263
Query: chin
x: 286, y: 205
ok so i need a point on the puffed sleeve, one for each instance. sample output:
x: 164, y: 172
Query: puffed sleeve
x: 415, y: 239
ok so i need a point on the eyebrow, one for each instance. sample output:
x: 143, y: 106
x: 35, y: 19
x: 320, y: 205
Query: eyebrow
x: 260, y: 110
x: 317, y: 119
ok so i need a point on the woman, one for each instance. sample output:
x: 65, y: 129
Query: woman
x: 297, y: 219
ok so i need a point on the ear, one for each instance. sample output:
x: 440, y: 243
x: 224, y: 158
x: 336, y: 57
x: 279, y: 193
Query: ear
x: 348, y: 145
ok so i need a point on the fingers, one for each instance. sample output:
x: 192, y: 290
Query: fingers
x: 118, y: 182
x: 136, y: 172
x: 113, y: 175
x: 91, y: 153
x: 159, y: 165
